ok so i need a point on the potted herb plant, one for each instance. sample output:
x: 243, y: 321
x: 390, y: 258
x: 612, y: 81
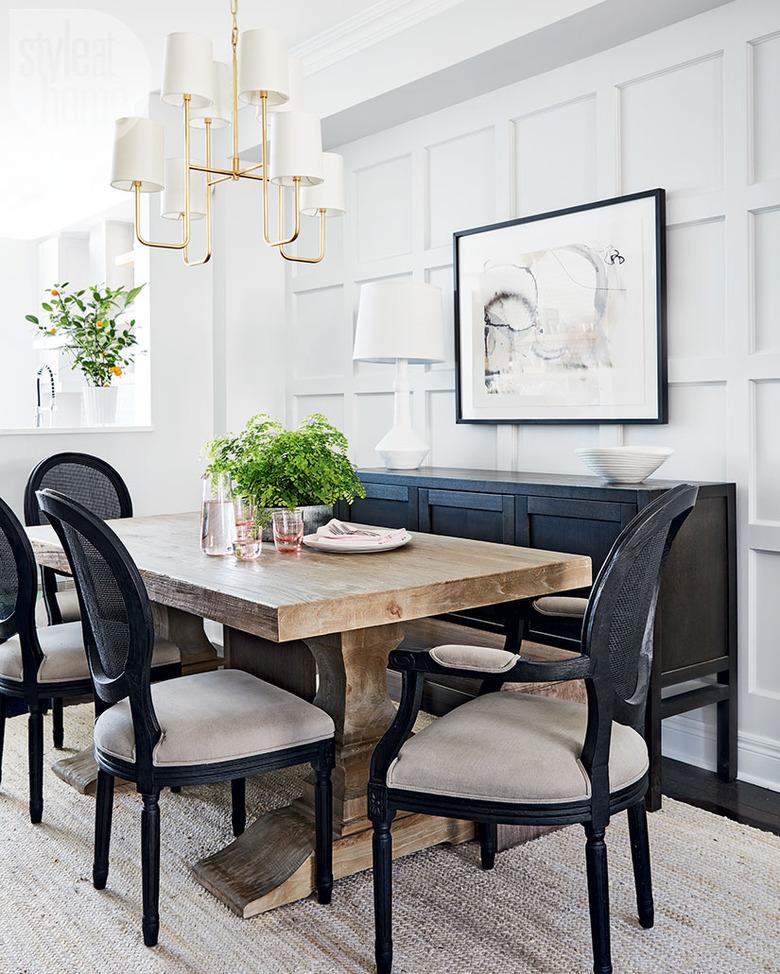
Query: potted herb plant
x: 88, y: 320
x: 307, y: 467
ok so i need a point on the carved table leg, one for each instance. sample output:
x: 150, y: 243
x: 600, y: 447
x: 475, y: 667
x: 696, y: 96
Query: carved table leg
x: 197, y: 654
x: 273, y: 861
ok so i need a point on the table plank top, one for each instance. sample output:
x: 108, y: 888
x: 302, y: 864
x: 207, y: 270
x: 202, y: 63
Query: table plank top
x: 284, y: 597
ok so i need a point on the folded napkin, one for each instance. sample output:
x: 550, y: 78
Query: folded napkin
x: 332, y: 532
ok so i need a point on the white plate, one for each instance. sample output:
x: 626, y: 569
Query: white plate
x: 339, y: 548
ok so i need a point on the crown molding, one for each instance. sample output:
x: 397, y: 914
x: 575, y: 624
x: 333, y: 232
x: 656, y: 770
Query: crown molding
x: 374, y: 24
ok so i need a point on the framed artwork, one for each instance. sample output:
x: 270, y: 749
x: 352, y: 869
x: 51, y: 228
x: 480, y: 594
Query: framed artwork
x: 560, y: 317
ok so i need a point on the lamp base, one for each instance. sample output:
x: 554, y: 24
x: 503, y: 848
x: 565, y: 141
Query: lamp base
x: 402, y: 449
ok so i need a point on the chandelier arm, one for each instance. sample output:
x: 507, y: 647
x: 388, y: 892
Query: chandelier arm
x: 265, y: 178
x: 161, y: 245
x: 209, y: 220
x: 309, y: 260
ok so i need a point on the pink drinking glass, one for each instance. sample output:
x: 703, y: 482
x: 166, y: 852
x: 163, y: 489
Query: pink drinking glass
x: 288, y: 530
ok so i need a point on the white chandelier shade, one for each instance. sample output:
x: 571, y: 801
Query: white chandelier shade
x: 220, y: 110
x: 296, y: 149
x: 139, y: 155
x: 295, y: 101
x: 263, y: 66
x: 328, y: 195
x: 172, y: 203
x: 188, y: 69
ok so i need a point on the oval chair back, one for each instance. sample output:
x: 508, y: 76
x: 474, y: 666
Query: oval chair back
x: 618, y: 626
x: 87, y: 479
x: 18, y: 592
x: 116, y: 614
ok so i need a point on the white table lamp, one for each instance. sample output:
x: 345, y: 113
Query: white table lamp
x: 400, y: 322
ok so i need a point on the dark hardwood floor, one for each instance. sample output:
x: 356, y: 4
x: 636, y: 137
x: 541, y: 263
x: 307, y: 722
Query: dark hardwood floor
x: 737, y: 800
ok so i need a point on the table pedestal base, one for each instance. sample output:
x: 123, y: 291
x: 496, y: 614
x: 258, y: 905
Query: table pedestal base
x: 272, y: 863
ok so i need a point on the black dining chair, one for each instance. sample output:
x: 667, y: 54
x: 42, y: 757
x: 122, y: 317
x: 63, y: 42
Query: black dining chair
x: 98, y: 486
x: 222, y: 725
x: 523, y: 760
x: 40, y: 664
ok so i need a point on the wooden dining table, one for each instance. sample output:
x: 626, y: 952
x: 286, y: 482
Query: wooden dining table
x: 321, y: 625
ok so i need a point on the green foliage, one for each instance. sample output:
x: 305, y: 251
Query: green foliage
x: 98, y: 343
x: 277, y: 467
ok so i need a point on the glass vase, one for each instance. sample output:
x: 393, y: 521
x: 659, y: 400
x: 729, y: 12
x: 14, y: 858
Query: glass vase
x: 218, y: 518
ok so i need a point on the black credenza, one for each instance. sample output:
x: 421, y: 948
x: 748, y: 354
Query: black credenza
x: 696, y: 625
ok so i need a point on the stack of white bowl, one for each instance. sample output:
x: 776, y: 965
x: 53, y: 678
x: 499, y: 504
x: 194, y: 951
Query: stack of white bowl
x: 624, y: 464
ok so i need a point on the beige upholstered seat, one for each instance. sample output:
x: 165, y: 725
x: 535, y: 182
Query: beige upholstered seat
x: 564, y: 606
x: 64, y: 658
x: 222, y: 715
x: 512, y: 747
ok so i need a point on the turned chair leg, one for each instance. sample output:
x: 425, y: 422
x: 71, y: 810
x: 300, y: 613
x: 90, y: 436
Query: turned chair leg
x: 598, y: 897
x: 58, y: 728
x: 2, y: 731
x: 104, y: 804
x: 640, y: 855
x: 323, y: 825
x: 383, y: 896
x: 150, y: 867
x: 238, y: 800
x: 35, y: 753
x: 488, y: 840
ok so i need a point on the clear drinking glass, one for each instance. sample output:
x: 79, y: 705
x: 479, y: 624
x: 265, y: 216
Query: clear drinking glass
x: 218, y: 519
x: 288, y: 530
x: 249, y: 532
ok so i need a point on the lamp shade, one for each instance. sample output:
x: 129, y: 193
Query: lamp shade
x: 296, y: 148
x: 172, y: 200
x: 263, y: 66
x: 220, y: 111
x: 139, y: 155
x: 400, y: 320
x: 295, y: 88
x: 188, y: 70
x: 329, y: 194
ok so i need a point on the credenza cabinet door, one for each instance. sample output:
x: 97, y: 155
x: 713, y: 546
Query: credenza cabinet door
x: 570, y: 524
x: 468, y: 514
x: 386, y: 505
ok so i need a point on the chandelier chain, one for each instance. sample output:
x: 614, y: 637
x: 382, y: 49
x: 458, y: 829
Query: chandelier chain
x: 234, y: 15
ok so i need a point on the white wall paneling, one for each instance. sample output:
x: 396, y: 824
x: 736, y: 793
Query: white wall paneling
x: 692, y: 108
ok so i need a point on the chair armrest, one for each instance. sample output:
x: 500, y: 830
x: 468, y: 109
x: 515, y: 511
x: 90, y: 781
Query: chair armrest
x: 460, y: 661
x: 479, y: 659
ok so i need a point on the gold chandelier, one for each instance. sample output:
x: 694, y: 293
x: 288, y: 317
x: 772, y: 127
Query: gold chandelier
x: 209, y: 93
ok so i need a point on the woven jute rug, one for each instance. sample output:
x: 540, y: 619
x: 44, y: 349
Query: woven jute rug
x: 717, y: 889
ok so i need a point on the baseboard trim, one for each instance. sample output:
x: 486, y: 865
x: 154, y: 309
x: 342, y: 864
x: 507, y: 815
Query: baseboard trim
x: 689, y: 740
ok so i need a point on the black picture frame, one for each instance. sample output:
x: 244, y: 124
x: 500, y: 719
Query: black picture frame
x: 662, y: 411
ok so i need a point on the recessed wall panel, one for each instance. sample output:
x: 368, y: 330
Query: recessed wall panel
x: 696, y: 432
x: 766, y: 108
x: 460, y: 185
x: 671, y: 129
x: 766, y: 418
x: 766, y: 279
x: 696, y: 289
x: 442, y: 277
x: 319, y: 317
x: 550, y: 449
x: 555, y: 157
x: 764, y: 581
x: 332, y: 407
x: 458, y: 444
x: 373, y: 418
x: 383, y: 204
